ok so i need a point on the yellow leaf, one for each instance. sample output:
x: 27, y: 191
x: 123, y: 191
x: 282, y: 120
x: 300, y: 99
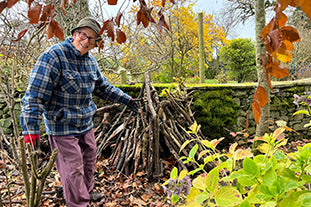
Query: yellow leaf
x: 242, y: 154
x: 263, y: 148
x: 182, y: 174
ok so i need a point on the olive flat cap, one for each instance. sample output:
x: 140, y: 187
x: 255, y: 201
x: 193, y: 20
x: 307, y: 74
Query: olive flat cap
x: 88, y: 22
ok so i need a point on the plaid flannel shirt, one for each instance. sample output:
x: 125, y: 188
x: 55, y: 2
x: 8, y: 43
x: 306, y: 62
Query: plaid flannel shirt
x: 60, y: 88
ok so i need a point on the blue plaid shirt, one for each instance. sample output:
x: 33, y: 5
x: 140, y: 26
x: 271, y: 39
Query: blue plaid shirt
x: 60, y: 88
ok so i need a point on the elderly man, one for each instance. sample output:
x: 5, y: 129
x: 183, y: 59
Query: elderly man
x: 60, y: 89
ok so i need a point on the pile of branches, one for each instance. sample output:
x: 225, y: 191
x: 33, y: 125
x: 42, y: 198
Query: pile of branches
x: 135, y: 141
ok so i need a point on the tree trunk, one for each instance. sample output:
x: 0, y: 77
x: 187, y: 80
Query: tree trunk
x: 260, y: 16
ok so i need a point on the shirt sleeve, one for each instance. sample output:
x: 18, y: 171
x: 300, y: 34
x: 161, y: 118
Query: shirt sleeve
x: 105, y: 90
x: 38, y: 93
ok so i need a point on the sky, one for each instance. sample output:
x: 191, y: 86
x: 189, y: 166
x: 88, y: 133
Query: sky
x: 214, y: 6
x: 210, y: 7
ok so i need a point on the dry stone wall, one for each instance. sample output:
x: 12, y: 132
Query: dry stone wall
x: 282, y: 106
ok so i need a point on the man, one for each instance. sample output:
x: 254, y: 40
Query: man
x: 60, y: 88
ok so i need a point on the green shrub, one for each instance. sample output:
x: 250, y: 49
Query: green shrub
x: 214, y: 111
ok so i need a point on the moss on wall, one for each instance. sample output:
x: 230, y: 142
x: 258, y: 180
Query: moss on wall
x: 215, y: 110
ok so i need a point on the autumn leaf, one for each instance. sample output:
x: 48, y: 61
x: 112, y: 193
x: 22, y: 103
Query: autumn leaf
x: 54, y: 28
x: 121, y: 37
x: 305, y: 6
x: 47, y: 11
x: 260, y: 100
x: 58, y: 31
x: 11, y: 3
x: 144, y: 16
x: 20, y: 35
x: 118, y: 19
x: 3, y: 5
x: 281, y: 19
x: 242, y: 154
x: 162, y: 23
x: 266, y: 30
x: 112, y: 2
x: 34, y: 14
x: 285, y: 3
x: 276, y: 70
x: 275, y: 41
x: 285, y: 58
x: 109, y: 27
x: 261, y: 96
x: 256, y: 111
x: 289, y: 33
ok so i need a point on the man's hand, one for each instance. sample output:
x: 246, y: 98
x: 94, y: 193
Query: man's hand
x: 33, y: 139
x: 133, y: 104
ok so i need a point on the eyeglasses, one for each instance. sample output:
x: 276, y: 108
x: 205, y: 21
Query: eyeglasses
x: 84, y: 36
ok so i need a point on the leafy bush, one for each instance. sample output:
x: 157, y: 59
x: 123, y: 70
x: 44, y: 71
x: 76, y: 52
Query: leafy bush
x: 215, y: 110
x: 239, y: 58
x: 242, y: 179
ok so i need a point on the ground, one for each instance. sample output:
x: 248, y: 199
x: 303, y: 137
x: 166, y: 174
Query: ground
x: 119, y: 190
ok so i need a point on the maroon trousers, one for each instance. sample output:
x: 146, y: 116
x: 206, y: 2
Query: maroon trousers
x: 75, y: 163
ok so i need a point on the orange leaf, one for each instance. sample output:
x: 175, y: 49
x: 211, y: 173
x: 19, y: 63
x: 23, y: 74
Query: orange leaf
x: 144, y: 20
x: 50, y: 31
x: 109, y: 27
x: 112, y: 2
x: 277, y: 71
x: 48, y: 11
x: 118, y: 19
x: 267, y: 29
x: 121, y: 37
x: 282, y: 19
x: 305, y: 6
x: 290, y: 33
x: 58, y: 31
x: 256, y: 111
x: 286, y: 46
x: 261, y: 96
x: 20, y: 35
x: 11, y: 3
x: 54, y: 28
x: 3, y: 5
x: 275, y: 40
x: 34, y: 14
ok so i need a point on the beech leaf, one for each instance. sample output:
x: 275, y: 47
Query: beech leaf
x: 112, y: 2
x: 256, y: 111
x: 3, y: 5
x: 20, y: 35
x: 34, y: 14
x: 11, y: 3
x: 118, y: 19
x: 305, y: 6
x: 121, y: 37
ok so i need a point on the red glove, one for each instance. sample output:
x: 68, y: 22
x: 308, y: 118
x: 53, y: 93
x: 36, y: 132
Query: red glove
x: 31, y: 138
